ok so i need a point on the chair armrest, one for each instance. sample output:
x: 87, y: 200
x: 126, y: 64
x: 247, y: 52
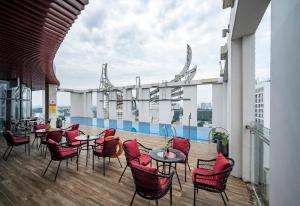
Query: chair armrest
x: 143, y: 147
x: 81, y: 132
x: 205, y: 164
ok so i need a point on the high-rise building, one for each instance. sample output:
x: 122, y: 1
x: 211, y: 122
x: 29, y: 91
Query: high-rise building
x: 262, y: 102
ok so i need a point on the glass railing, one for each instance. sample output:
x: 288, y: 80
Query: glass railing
x: 260, y: 162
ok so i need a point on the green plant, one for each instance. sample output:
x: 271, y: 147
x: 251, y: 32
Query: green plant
x: 62, y: 117
x: 221, y: 136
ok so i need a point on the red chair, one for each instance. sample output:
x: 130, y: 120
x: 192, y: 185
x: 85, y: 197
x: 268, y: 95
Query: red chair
x: 212, y: 175
x: 183, y: 145
x: 107, y: 133
x: 55, y: 135
x: 70, y: 136
x: 39, y: 135
x: 149, y: 184
x: 133, y: 154
x: 13, y: 141
x: 108, y: 149
x: 59, y: 153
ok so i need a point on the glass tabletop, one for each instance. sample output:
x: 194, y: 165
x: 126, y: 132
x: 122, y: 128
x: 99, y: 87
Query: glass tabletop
x: 174, y: 155
x: 86, y: 137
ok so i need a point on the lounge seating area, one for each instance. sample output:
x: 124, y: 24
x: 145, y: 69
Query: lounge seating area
x: 41, y: 179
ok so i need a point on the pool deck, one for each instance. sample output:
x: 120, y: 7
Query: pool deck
x: 21, y: 182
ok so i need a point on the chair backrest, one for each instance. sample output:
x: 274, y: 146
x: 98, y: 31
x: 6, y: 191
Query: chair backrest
x: 70, y: 135
x: 131, y: 150
x: 223, y: 166
x: 53, y: 147
x: 109, y: 132
x: 181, y: 144
x: 148, y: 183
x: 55, y: 135
x: 40, y: 126
x: 9, y: 137
x: 74, y: 127
x: 110, y: 147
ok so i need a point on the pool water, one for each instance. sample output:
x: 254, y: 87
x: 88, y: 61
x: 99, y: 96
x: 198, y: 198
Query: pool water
x: 199, y: 134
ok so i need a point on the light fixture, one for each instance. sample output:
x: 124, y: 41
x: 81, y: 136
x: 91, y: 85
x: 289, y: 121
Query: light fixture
x: 228, y: 3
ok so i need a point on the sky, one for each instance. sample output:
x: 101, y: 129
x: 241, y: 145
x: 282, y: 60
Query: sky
x: 142, y: 38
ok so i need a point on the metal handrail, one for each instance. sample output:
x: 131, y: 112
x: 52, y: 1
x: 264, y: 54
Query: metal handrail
x: 260, y: 131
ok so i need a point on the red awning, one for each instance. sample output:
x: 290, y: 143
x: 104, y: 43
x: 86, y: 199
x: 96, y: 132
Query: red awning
x: 30, y: 35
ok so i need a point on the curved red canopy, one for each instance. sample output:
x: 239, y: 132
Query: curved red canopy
x: 30, y: 35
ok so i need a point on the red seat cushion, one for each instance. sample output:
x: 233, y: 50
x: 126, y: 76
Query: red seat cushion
x: 210, y: 181
x: 19, y: 141
x: 67, y: 152
x: 100, y: 141
x: 71, y: 135
x: 144, y: 159
x: 98, y: 151
x: 109, y: 132
x: 132, y: 149
x: 76, y: 143
x: 181, y: 144
x: 142, y: 167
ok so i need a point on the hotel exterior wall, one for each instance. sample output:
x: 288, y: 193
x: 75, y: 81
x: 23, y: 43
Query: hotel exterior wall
x: 285, y: 103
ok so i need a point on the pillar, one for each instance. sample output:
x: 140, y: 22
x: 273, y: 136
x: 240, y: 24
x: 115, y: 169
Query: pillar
x: 144, y: 110
x: 127, y: 109
x: 112, y: 110
x: 50, y: 103
x: 165, y: 111
x: 190, y: 110
x: 219, y: 103
x: 100, y: 109
x: 285, y: 101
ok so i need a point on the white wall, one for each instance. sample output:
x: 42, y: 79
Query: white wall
x: 127, y: 105
x: 112, y: 105
x: 219, y: 103
x: 100, y: 103
x: 76, y: 105
x: 144, y: 106
x: 285, y: 103
x: 165, y: 112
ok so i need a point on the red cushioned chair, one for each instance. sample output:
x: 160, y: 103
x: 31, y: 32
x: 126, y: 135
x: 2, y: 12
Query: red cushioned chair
x: 13, y: 141
x: 107, y: 149
x: 212, y: 175
x: 70, y: 136
x: 55, y: 135
x: 149, y: 184
x: 105, y: 133
x: 132, y: 150
x: 59, y: 153
x: 183, y: 145
x: 39, y: 135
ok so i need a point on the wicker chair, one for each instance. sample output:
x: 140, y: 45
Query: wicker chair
x: 211, y: 175
x: 149, y: 184
x: 105, y: 133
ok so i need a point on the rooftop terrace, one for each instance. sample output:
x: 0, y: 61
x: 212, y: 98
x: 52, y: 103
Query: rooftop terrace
x: 21, y: 181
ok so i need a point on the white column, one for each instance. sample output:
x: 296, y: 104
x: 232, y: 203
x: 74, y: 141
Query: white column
x: 285, y: 102
x: 190, y: 106
x: 76, y: 105
x: 127, y: 105
x: 234, y: 104
x: 100, y: 105
x: 87, y: 104
x: 144, y: 105
x: 53, y: 104
x: 219, y: 105
x: 165, y: 112
x: 248, y: 76
x: 113, y: 105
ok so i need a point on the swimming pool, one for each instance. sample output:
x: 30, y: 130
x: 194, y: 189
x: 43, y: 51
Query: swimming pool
x: 199, y: 134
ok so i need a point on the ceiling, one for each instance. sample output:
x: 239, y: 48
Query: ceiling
x: 30, y: 35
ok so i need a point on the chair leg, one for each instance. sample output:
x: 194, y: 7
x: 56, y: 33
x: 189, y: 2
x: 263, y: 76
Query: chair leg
x: 104, y: 166
x: 28, y: 148
x: 223, y: 199
x: 226, y: 196
x: 187, y: 161
x: 119, y: 162
x: 8, y: 153
x: 33, y: 141
x: 93, y: 161
x: 156, y: 201
x: 185, y: 172
x: 171, y: 195
x: 47, y: 168
x: 123, y: 173
x: 132, y: 197
x: 57, y: 171
x: 77, y: 161
x: 195, y: 195
x: 5, y: 152
x: 67, y: 162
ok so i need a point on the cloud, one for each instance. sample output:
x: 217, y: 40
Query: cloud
x: 141, y: 38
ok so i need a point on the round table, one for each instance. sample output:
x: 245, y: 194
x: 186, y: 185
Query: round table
x: 167, y: 159
x: 87, y: 138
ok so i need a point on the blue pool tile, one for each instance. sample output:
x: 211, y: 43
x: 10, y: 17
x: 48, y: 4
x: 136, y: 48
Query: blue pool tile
x: 144, y: 127
x: 165, y: 130
x: 100, y: 122
x: 113, y: 123
x: 192, y: 134
x: 127, y: 125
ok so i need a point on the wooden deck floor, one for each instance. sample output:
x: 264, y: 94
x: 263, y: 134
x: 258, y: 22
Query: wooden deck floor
x: 21, y: 182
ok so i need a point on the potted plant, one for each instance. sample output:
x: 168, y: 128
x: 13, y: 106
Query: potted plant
x: 221, y: 138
